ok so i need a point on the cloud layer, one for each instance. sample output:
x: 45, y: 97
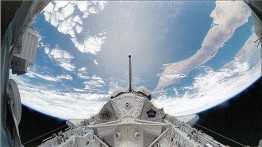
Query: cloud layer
x: 65, y: 16
x: 63, y: 58
x: 60, y: 104
x: 91, y: 44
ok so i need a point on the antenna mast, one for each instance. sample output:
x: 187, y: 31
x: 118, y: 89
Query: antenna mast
x: 130, y: 74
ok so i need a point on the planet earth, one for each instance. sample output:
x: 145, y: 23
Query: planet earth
x: 192, y: 55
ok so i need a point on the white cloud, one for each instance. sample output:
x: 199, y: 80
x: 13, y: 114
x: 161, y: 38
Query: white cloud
x: 95, y: 62
x: 64, y: 105
x: 40, y: 37
x: 78, y: 29
x: 215, y: 87
x: 60, y: 104
x: 68, y: 10
x: 58, y: 53
x: 63, y: 58
x: 82, y: 73
x: 46, y: 49
x: 67, y: 66
x: 61, y: 14
x: 53, y: 20
x: 35, y: 73
x: 79, y: 90
x: 226, y: 22
x: 101, y: 5
x: 82, y: 5
x: 42, y: 76
x: 82, y: 69
x: 78, y: 20
x: 98, y: 79
x: 60, y: 4
x: 66, y: 27
x: 95, y: 83
x: 83, y: 76
x: 91, y: 44
x: 92, y: 9
x: 177, y: 75
x: 66, y: 77
x: 49, y: 8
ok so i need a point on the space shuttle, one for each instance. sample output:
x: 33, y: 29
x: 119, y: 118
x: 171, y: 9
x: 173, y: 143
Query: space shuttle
x: 130, y: 119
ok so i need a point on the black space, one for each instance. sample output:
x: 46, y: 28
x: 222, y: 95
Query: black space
x: 34, y: 124
x: 240, y: 119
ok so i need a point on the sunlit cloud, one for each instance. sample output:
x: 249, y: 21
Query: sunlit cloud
x: 60, y: 104
x: 82, y: 73
x: 91, y: 44
x: 62, y: 57
x: 66, y: 77
x: 95, y: 83
x: 95, y: 62
x: 62, y: 15
x: 34, y: 73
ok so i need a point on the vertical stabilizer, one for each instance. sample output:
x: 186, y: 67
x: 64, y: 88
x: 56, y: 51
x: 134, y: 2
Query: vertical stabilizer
x: 130, y: 75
